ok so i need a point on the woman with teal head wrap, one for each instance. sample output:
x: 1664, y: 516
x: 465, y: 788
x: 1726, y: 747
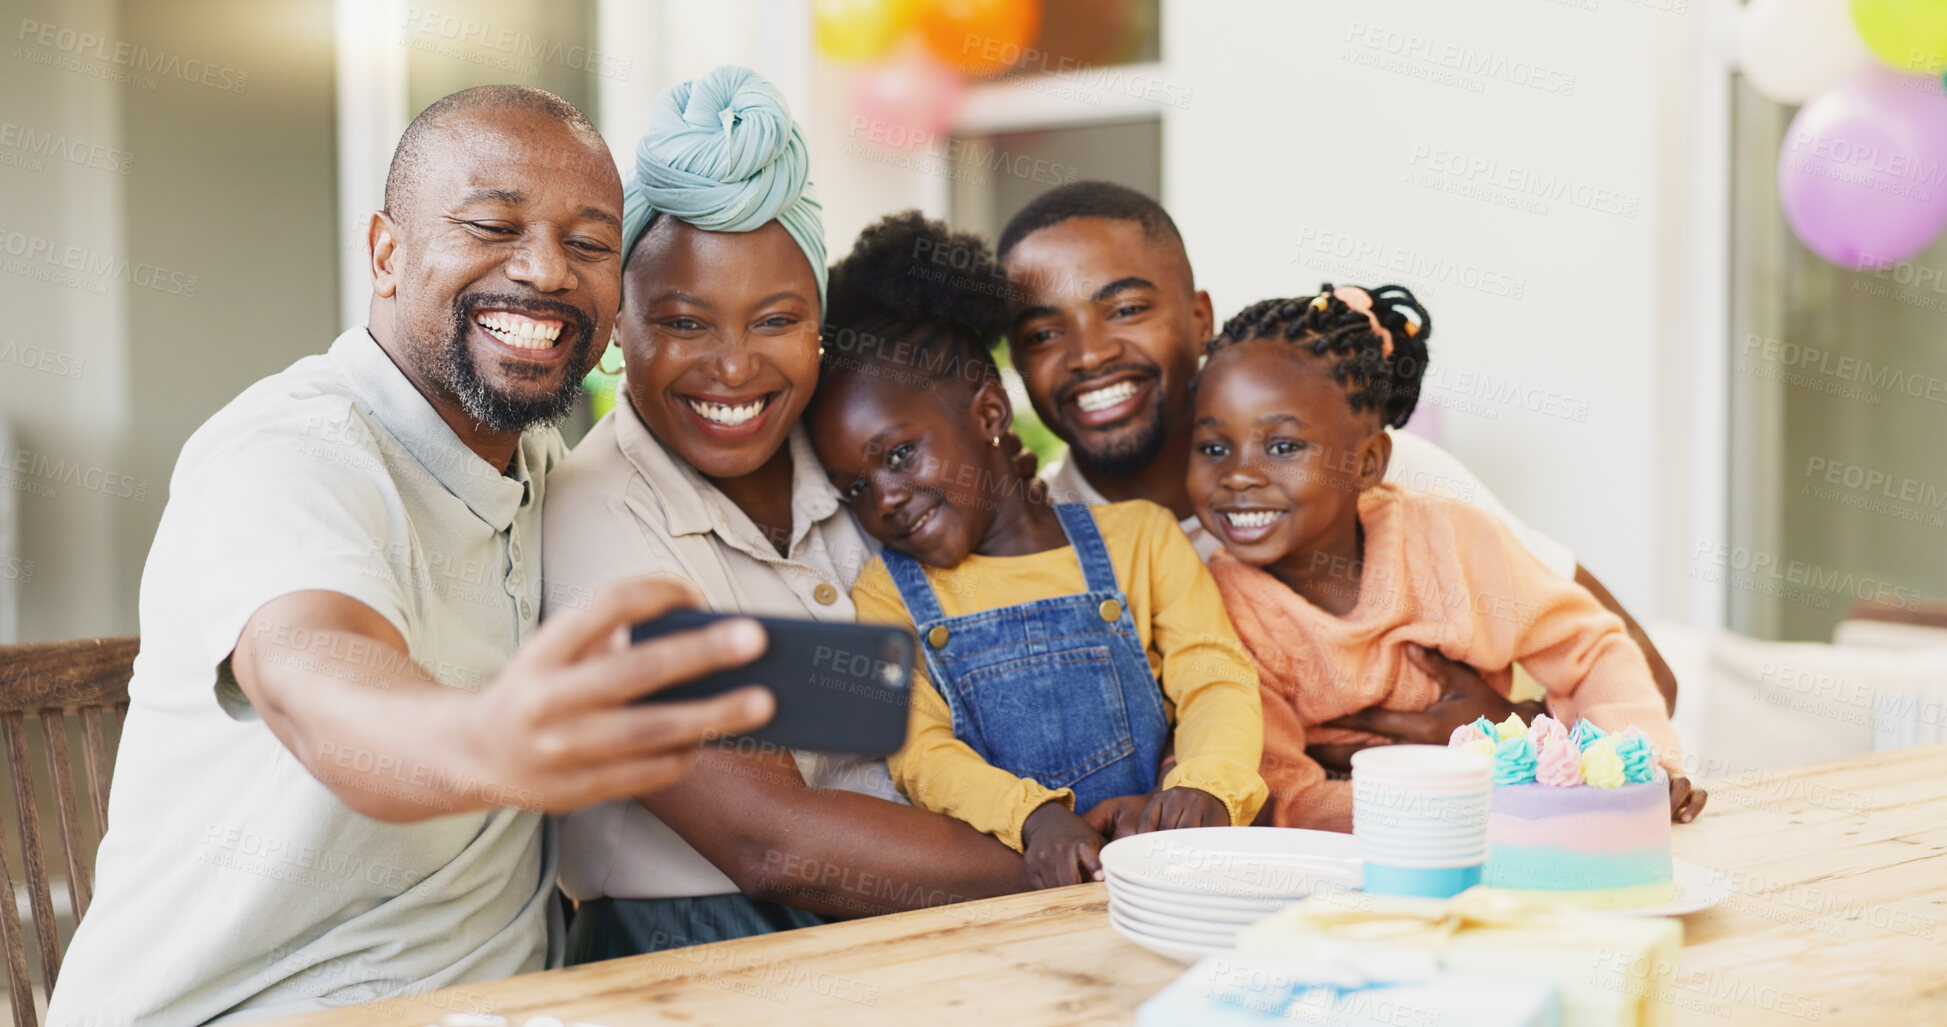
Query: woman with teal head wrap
x: 724, y: 154
x: 702, y: 471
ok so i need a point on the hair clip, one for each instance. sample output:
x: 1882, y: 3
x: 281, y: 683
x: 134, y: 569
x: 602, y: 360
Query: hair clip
x: 1361, y: 300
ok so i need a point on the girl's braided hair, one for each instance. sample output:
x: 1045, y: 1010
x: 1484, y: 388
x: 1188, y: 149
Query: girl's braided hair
x: 1324, y: 325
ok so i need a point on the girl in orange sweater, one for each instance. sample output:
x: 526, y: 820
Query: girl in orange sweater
x: 1329, y: 575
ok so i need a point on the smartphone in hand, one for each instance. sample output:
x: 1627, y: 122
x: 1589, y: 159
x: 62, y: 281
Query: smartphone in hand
x: 841, y: 688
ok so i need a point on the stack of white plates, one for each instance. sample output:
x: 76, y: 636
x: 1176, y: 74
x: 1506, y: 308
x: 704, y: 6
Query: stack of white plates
x: 1186, y: 894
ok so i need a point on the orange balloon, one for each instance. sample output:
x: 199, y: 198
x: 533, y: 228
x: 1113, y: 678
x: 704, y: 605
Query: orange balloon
x: 981, y: 37
x: 860, y: 30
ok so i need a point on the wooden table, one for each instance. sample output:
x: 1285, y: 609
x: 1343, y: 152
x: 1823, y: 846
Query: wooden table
x: 1840, y: 868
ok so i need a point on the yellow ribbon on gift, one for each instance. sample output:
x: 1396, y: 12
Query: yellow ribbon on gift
x: 1405, y: 920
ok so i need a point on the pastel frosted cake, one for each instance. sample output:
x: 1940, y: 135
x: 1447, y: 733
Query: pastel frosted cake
x: 1577, y: 816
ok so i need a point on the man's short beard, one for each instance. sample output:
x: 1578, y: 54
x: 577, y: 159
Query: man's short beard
x: 454, y: 369
x: 1123, y: 454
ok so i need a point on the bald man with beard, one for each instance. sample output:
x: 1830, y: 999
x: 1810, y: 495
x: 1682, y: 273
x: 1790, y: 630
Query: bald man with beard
x: 345, y: 722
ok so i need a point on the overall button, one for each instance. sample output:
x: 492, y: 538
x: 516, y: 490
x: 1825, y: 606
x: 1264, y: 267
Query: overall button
x: 825, y: 593
x: 937, y: 637
x: 1110, y: 610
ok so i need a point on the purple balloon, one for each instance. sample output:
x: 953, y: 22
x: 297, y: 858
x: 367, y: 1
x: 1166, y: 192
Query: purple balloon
x: 1862, y: 174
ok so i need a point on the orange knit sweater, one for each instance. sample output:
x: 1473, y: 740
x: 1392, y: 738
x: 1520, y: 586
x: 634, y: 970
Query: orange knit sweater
x: 1447, y: 576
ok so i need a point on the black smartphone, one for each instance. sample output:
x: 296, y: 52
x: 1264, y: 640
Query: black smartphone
x: 841, y: 688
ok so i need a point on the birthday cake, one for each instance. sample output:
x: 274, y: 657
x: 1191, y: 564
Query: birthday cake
x: 1578, y: 816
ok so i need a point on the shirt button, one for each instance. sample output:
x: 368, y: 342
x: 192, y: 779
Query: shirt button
x: 937, y: 637
x: 1110, y: 610
x: 527, y: 609
x: 825, y: 593
x: 514, y: 551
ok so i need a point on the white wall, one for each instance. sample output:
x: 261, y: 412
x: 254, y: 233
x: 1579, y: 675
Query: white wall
x: 72, y: 411
x: 1578, y: 347
x: 178, y: 248
x: 1305, y: 155
x: 668, y: 42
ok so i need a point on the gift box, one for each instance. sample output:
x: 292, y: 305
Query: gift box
x: 1608, y: 970
x: 1238, y: 990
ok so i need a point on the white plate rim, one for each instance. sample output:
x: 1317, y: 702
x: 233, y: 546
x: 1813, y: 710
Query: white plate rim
x: 1165, y: 932
x: 1176, y: 896
x: 1164, y: 893
x: 1698, y: 888
x: 1169, y: 950
x: 1125, y: 863
x: 1144, y: 916
x: 1209, y: 914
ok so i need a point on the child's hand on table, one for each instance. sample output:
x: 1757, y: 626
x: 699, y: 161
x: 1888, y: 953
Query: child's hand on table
x: 1685, y: 801
x: 1060, y: 847
x: 1116, y: 817
x: 1173, y: 808
x: 1161, y: 810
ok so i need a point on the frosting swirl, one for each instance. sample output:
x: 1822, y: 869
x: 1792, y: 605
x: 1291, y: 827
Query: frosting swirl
x: 1510, y: 728
x: 1560, y: 766
x: 1639, y: 764
x: 1601, y: 766
x: 1546, y: 731
x: 1514, y: 761
x: 1585, y: 734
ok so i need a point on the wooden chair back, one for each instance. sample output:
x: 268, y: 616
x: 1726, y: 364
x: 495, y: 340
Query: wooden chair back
x: 55, y: 683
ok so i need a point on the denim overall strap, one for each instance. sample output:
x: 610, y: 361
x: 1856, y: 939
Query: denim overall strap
x: 1058, y: 689
x: 1098, y: 574
x: 913, y: 587
x: 924, y: 608
x: 1149, y: 724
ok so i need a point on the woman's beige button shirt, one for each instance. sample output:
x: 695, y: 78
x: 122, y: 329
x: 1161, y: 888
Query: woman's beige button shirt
x: 621, y: 506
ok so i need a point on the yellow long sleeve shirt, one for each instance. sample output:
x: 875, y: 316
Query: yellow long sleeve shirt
x: 1207, y: 678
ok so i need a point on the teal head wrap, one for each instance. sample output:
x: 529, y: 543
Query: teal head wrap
x: 723, y: 154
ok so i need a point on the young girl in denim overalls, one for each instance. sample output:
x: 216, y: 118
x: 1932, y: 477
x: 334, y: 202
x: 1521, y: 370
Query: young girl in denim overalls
x: 1044, y: 629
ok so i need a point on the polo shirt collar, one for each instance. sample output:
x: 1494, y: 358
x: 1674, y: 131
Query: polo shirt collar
x: 693, y: 506
x: 409, y: 417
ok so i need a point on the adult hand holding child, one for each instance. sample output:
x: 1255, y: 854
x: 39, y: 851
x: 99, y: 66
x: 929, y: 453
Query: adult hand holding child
x: 1464, y: 697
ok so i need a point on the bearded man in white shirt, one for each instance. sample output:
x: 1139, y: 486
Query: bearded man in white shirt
x: 345, y: 722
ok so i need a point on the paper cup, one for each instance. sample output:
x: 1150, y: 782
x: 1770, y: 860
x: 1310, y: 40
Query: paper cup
x: 1432, y: 763
x: 1431, y: 882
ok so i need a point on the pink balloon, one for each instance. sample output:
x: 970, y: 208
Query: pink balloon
x: 1862, y: 174
x: 905, y: 102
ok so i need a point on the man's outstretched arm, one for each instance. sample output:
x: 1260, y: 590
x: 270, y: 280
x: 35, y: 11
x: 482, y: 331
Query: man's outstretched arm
x: 554, y: 731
